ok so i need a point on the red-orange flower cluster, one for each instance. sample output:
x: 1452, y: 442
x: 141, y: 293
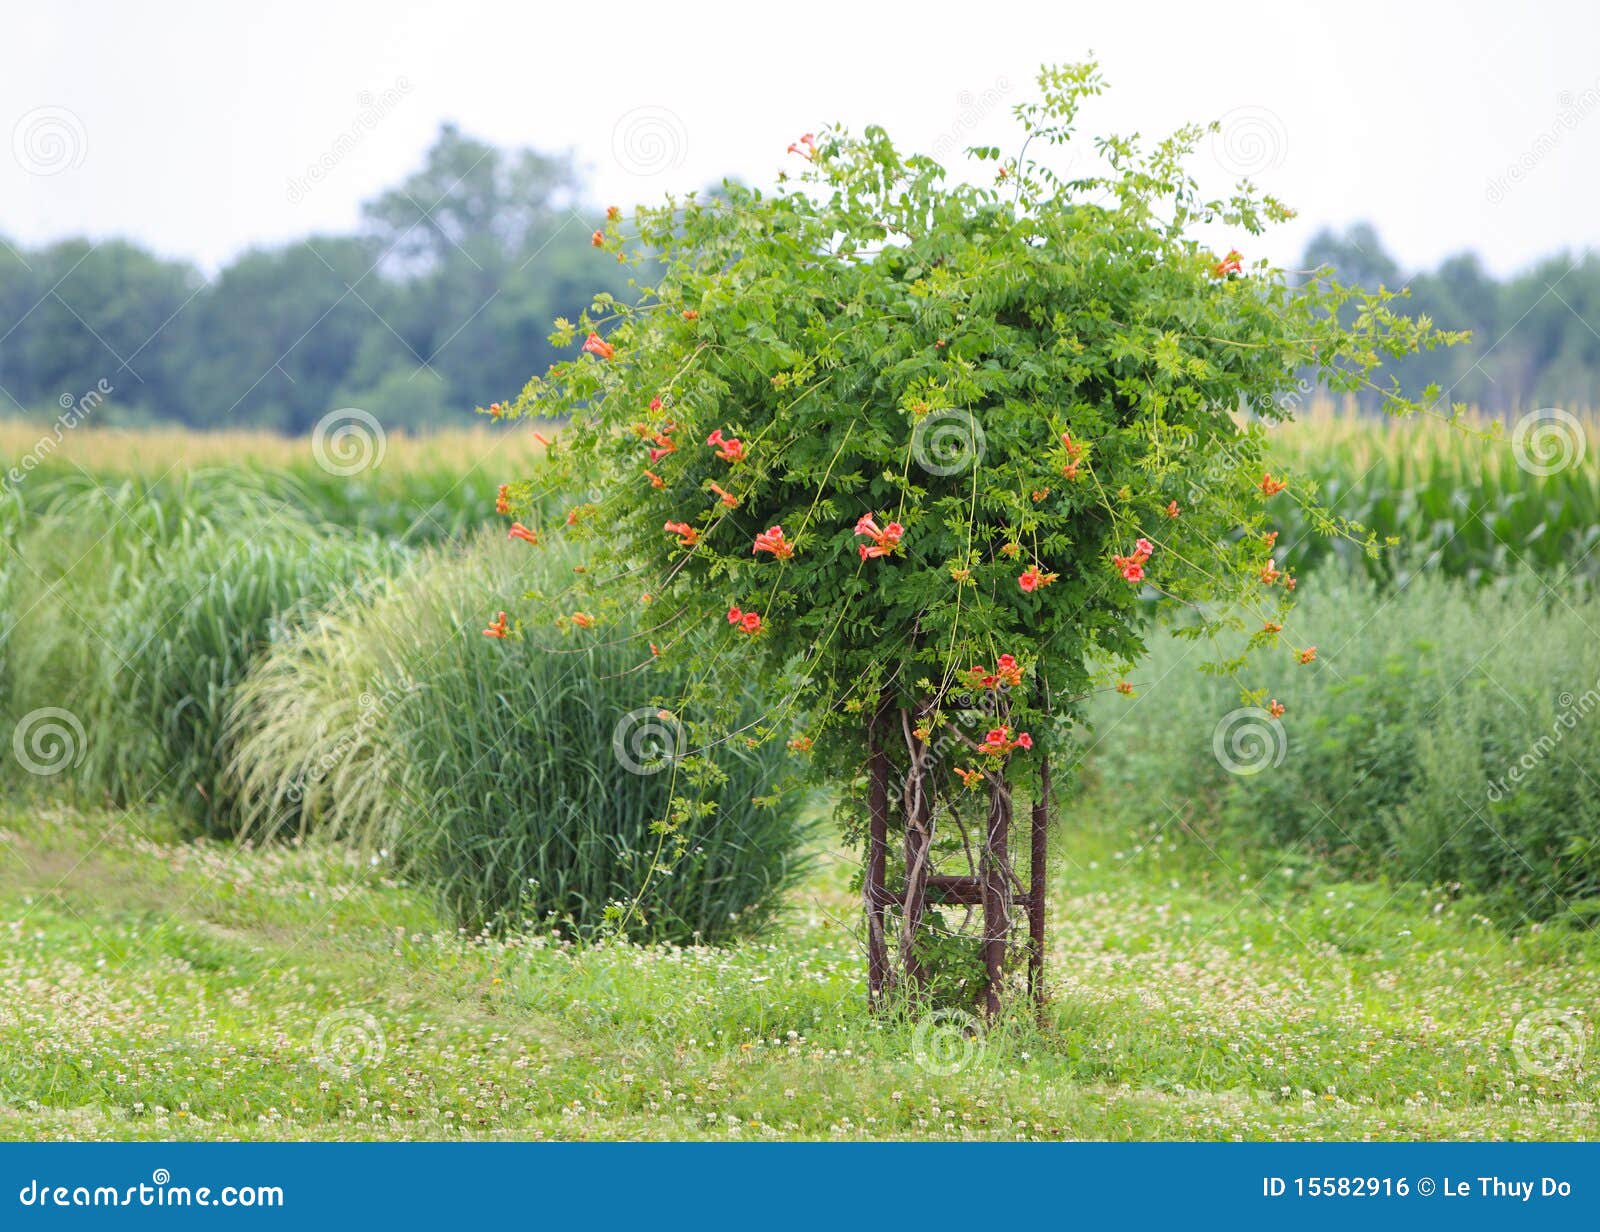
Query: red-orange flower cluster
x: 1233, y: 263
x: 884, y: 538
x: 664, y: 444
x: 729, y: 448
x: 519, y: 531
x: 747, y: 622
x: 773, y: 541
x: 688, y: 536
x: 1132, y: 567
x: 1074, y: 456
x: 806, y: 147
x: 1033, y: 577
x: 999, y: 741
x: 1007, y: 671
x: 502, y: 501
x: 596, y: 345
x: 498, y: 628
x: 1271, y: 486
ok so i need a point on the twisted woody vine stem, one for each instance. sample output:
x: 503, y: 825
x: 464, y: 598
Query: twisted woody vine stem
x: 889, y: 438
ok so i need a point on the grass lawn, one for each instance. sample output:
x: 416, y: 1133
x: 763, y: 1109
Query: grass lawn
x: 151, y: 988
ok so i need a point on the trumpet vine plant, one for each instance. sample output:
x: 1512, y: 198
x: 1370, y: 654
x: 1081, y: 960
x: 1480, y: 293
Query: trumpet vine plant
x: 928, y: 453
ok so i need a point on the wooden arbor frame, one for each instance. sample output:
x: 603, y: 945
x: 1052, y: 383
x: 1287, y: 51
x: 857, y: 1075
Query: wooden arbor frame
x: 994, y: 886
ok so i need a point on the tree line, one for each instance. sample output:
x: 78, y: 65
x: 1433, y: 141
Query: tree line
x: 1534, y: 340
x: 443, y: 299
x: 440, y: 302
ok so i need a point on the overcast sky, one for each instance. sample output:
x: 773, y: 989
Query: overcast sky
x: 201, y: 129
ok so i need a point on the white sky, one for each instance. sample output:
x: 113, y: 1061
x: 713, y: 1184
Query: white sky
x: 183, y: 125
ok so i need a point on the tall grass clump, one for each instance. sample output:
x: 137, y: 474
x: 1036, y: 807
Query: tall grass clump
x: 503, y: 773
x: 184, y: 636
x: 75, y: 552
x: 1443, y: 734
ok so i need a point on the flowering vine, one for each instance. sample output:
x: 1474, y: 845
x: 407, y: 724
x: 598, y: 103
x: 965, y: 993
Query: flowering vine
x: 1014, y: 381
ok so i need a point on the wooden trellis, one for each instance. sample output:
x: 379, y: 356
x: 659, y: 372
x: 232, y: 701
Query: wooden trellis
x: 993, y: 886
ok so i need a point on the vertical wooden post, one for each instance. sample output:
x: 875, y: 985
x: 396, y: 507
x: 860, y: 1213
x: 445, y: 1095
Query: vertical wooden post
x: 996, y: 893
x: 919, y: 855
x: 875, y: 893
x: 1039, y: 846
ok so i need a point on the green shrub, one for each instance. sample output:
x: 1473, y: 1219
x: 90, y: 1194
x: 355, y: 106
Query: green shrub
x: 1443, y: 734
x: 491, y: 769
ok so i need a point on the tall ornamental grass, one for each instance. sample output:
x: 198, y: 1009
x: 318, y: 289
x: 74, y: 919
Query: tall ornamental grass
x: 185, y: 636
x: 522, y: 778
x: 75, y: 551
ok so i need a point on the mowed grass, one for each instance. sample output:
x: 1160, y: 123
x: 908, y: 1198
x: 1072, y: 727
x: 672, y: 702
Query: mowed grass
x: 156, y: 989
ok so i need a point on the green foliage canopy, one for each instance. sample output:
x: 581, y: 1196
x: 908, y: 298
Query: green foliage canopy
x: 1042, y: 395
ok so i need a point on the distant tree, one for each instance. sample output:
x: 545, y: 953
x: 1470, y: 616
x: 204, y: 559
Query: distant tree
x: 444, y: 301
x: 1357, y: 255
x: 472, y: 239
x: 473, y: 201
x: 415, y: 400
x: 1531, y: 343
x: 90, y: 312
x: 278, y: 331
